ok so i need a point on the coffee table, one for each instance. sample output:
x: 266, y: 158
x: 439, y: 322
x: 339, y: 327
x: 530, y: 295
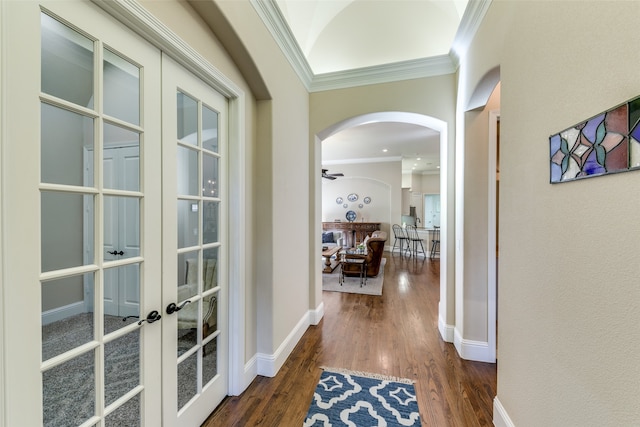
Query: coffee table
x: 327, y: 254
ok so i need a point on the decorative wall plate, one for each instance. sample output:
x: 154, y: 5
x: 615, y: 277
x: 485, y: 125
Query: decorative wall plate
x: 351, y: 216
x: 352, y: 197
x: 367, y: 200
x: 339, y: 200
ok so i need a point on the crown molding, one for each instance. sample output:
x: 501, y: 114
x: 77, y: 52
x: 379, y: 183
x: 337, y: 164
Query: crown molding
x: 469, y: 24
x: 270, y: 14
x: 405, y: 70
x: 362, y: 160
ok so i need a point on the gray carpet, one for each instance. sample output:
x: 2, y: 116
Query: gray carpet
x: 69, y: 388
x: 330, y: 282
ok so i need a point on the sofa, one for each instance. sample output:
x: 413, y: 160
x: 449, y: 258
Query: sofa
x: 332, y: 238
x: 374, y: 247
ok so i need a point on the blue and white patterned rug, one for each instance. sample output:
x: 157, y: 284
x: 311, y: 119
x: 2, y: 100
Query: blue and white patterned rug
x: 356, y: 399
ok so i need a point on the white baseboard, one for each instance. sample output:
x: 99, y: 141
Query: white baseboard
x: 500, y: 416
x: 315, y: 316
x: 250, y: 373
x: 446, y: 331
x: 63, y: 312
x: 268, y: 365
x: 472, y: 350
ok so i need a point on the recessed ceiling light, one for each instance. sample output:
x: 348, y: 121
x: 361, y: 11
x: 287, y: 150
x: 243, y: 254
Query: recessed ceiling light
x: 438, y: 167
x: 418, y: 158
x: 384, y: 150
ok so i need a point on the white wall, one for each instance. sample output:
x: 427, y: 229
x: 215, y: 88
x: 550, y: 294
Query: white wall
x: 430, y: 183
x: 379, y: 181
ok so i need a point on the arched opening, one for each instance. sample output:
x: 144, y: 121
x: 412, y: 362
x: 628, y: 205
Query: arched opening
x: 437, y: 125
x: 477, y: 209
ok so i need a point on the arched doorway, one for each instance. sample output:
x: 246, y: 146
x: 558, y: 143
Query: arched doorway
x: 446, y: 288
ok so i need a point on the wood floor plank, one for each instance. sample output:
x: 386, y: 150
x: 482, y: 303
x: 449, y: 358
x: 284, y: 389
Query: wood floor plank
x: 394, y: 334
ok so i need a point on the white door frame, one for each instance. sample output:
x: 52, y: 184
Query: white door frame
x: 492, y: 279
x: 154, y: 31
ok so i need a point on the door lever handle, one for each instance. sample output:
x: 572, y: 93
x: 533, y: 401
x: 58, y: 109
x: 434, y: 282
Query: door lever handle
x: 172, y: 308
x: 115, y: 252
x: 151, y: 317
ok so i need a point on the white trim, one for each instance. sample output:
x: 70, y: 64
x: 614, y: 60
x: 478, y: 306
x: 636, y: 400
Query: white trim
x: 397, y: 71
x: 492, y: 279
x: 250, y: 372
x: 315, y: 316
x: 477, y: 351
x: 270, y: 14
x: 3, y: 140
x: 138, y: 19
x: 63, y: 312
x: 500, y: 416
x: 272, y: 18
x: 446, y: 331
x: 270, y: 364
x: 363, y: 160
x: 471, y: 20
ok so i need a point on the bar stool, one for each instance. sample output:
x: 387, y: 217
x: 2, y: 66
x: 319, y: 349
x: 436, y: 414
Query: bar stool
x: 435, y: 242
x: 400, y: 236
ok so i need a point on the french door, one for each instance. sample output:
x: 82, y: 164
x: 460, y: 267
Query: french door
x: 89, y: 341
x: 195, y: 339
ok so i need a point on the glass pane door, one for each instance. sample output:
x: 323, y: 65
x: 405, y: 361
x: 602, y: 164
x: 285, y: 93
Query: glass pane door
x: 97, y: 281
x: 196, y: 286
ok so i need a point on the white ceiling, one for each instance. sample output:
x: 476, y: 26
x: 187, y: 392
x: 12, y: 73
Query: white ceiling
x: 339, y: 35
x: 367, y: 143
x: 354, y: 42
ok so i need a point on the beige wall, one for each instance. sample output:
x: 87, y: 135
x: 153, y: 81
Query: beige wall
x: 280, y: 171
x: 569, y: 300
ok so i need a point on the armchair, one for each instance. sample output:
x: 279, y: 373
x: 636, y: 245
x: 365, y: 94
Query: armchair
x: 373, y: 256
x: 188, y: 315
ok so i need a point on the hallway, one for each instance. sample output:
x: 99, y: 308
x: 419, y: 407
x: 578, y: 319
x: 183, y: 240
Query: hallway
x: 396, y: 334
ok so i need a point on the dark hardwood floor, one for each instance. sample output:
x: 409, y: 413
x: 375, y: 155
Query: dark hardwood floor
x: 395, y: 334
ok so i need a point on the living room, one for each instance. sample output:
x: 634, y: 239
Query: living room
x: 384, y: 194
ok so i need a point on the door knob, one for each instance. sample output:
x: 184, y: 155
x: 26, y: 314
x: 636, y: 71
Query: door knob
x: 115, y: 253
x: 172, y: 308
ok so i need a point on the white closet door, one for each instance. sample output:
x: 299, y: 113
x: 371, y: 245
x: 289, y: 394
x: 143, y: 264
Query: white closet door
x: 79, y: 80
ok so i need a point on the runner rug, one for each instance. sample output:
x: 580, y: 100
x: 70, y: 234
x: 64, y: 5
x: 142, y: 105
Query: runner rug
x: 356, y: 399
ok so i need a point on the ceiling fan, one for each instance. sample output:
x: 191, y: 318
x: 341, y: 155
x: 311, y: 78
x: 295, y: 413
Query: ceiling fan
x: 330, y: 175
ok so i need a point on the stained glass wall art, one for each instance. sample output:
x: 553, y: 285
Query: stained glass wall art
x: 607, y: 143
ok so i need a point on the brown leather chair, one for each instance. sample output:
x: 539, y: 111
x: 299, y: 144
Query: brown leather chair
x: 373, y: 257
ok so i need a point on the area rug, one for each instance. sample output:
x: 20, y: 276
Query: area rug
x: 357, y: 399
x: 331, y: 282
